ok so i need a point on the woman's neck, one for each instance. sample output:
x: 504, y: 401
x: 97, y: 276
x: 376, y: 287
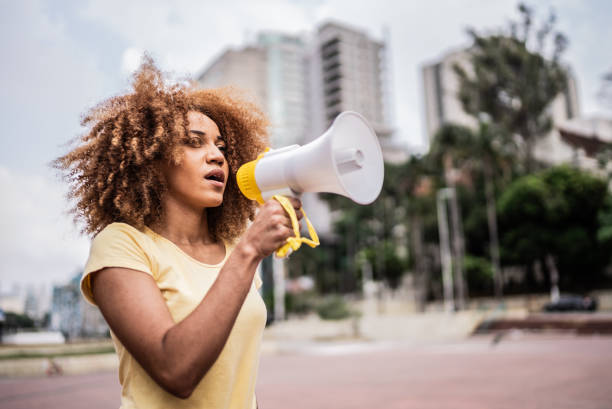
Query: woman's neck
x: 183, y: 224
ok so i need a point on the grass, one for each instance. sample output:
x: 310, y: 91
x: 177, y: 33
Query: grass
x: 54, y: 351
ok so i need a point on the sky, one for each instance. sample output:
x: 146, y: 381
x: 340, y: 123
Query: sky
x: 60, y: 58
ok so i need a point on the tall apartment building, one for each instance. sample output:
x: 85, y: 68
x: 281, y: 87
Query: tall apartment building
x: 287, y: 87
x: 304, y: 83
x: 350, y: 71
x: 441, y: 85
x: 244, y: 69
x: 72, y: 315
x: 273, y: 71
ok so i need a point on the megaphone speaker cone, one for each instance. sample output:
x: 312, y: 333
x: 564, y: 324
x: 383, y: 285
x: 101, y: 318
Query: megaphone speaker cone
x: 358, y: 158
x: 345, y: 160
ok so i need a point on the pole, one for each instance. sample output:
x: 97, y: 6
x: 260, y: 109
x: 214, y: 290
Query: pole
x: 278, y: 273
x: 445, y: 252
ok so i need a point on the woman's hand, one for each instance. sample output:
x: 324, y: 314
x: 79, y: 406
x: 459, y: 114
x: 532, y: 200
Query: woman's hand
x: 271, y: 228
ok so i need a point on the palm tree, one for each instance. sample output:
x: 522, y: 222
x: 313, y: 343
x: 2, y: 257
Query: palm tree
x: 446, y: 150
x: 489, y: 151
x: 513, y: 82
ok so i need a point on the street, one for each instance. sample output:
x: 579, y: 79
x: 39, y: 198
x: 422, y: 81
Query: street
x: 520, y: 370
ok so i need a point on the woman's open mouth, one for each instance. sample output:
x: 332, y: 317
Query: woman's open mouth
x: 216, y: 177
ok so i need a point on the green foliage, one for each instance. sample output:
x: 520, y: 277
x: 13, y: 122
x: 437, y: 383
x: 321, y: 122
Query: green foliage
x: 512, y: 81
x: 63, y: 350
x: 451, y: 139
x: 14, y: 321
x: 475, y: 224
x: 385, y: 262
x: 374, y: 231
x: 268, y: 298
x: 604, y: 157
x: 479, y: 274
x: 513, y: 77
x: 334, y: 308
x: 557, y: 212
x: 324, y: 264
x: 604, y: 233
x: 300, y: 303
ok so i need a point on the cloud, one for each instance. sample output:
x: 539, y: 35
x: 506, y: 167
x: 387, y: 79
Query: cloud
x: 38, y: 241
x: 47, y: 80
x: 63, y: 57
x: 130, y: 60
x: 184, y: 36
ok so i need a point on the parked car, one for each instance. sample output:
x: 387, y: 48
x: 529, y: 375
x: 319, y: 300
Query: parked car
x: 572, y: 303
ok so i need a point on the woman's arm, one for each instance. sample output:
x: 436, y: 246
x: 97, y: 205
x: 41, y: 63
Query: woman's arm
x: 178, y: 355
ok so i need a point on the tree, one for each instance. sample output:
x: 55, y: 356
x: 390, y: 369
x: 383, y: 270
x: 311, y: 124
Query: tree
x: 604, y: 160
x: 490, y: 152
x: 367, y: 233
x: 388, y: 237
x: 604, y: 232
x: 446, y: 150
x: 552, y: 220
x: 513, y: 81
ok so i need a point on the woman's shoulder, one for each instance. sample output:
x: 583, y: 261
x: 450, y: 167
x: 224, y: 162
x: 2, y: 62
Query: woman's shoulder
x: 119, y: 245
x: 119, y: 229
x: 121, y: 232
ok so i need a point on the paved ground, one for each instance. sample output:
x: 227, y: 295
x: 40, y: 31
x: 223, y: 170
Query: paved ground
x: 520, y: 371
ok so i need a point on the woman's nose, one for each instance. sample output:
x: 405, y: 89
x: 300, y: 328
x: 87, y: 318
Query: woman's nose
x: 215, y: 155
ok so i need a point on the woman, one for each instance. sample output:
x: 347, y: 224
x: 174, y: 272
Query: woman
x: 154, y: 179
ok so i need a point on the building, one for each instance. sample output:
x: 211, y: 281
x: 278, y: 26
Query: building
x: 274, y: 72
x: 441, y: 85
x: 302, y: 83
x: 287, y: 87
x: 244, y: 68
x: 352, y: 75
x: 584, y: 141
x: 72, y: 315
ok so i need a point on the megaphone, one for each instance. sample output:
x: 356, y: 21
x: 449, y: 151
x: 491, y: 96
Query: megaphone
x: 345, y: 160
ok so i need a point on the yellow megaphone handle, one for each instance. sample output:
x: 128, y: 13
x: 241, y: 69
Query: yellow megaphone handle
x: 294, y: 243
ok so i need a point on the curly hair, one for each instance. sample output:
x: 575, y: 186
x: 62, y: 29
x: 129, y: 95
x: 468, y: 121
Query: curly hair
x: 114, y: 172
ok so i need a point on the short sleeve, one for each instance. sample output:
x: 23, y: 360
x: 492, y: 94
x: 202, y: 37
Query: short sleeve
x: 117, y: 245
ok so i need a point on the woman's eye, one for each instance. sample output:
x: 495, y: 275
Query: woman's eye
x: 222, y: 148
x: 195, y: 142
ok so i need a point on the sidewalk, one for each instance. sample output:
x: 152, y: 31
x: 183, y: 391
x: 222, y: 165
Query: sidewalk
x: 523, y: 370
x: 313, y: 335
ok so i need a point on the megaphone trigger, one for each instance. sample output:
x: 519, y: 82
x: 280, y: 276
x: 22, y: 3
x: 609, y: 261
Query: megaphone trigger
x: 294, y: 243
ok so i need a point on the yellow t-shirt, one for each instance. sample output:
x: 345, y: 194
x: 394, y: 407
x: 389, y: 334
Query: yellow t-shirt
x: 183, y: 282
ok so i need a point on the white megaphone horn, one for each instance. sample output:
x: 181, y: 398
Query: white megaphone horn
x: 346, y: 160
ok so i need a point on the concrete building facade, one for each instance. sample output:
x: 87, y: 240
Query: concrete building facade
x: 303, y: 82
x: 584, y: 141
x: 274, y: 73
x: 72, y: 315
x: 244, y: 69
x: 352, y: 75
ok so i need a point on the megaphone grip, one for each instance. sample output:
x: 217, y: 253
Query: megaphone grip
x: 294, y: 243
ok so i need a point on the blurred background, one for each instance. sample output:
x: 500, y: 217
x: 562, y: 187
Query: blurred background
x: 495, y: 219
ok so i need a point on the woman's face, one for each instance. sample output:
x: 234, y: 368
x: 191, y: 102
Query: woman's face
x: 200, y: 179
